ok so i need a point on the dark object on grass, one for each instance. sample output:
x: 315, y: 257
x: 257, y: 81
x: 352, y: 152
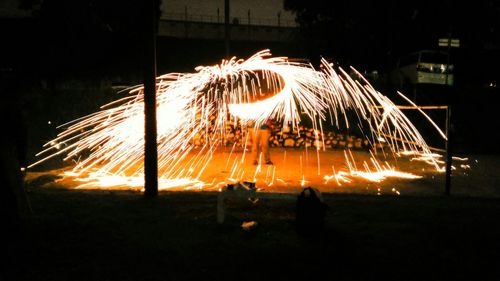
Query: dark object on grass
x: 246, y: 185
x: 311, y: 211
x: 249, y: 184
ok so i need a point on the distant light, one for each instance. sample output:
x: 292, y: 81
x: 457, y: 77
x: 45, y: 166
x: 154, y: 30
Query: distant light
x: 49, y: 122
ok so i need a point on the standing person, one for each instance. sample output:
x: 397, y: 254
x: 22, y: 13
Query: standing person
x: 260, y: 142
x: 13, y: 146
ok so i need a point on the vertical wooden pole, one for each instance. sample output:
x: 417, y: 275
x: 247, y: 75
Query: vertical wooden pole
x: 227, y: 28
x: 150, y: 134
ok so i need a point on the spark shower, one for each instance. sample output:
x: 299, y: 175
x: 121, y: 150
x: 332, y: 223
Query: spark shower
x: 110, y: 143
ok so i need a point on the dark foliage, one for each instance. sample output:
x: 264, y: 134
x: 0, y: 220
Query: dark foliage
x: 372, y: 31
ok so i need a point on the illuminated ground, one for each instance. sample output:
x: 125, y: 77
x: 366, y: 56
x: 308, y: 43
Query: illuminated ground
x: 294, y: 168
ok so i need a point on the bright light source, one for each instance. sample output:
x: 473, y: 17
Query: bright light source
x: 191, y: 104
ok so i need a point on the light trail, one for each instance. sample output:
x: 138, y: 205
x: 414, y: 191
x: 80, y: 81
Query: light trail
x: 200, y: 105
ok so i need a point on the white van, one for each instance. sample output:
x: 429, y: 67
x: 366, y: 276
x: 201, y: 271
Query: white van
x: 424, y: 67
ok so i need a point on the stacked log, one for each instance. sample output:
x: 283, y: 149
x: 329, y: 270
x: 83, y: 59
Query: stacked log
x: 306, y: 137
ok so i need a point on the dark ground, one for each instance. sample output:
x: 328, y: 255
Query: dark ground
x: 120, y: 235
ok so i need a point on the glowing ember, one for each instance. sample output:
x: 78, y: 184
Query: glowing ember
x: 377, y: 173
x: 200, y: 104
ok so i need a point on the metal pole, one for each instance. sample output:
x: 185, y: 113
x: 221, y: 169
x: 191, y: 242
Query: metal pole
x: 447, y: 59
x: 227, y: 28
x: 150, y: 138
x: 449, y: 150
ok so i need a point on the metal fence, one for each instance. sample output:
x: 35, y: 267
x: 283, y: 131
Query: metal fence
x: 219, y: 18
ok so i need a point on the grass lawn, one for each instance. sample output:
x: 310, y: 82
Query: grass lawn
x: 120, y: 235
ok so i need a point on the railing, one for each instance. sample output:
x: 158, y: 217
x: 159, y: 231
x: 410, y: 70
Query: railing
x: 234, y: 20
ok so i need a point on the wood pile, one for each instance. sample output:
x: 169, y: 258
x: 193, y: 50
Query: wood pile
x: 284, y: 137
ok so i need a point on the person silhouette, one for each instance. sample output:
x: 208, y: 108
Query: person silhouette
x: 260, y: 142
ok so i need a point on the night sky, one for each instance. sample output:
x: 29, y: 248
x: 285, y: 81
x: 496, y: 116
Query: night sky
x: 366, y: 34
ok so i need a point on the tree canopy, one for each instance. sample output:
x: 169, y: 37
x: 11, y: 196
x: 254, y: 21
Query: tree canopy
x: 369, y: 31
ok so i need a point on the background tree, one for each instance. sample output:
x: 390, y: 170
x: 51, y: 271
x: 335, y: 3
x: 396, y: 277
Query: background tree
x: 370, y: 33
x: 87, y: 38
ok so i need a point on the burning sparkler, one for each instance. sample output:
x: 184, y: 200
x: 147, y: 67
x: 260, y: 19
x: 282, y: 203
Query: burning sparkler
x: 197, y: 104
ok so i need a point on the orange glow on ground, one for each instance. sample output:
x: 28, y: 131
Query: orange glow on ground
x: 292, y: 169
